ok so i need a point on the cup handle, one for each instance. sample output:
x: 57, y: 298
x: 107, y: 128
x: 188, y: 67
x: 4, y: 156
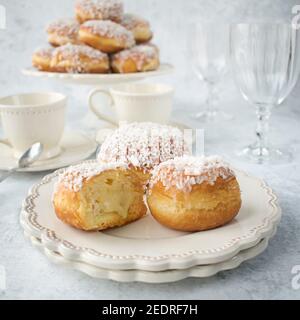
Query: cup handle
x: 98, y: 113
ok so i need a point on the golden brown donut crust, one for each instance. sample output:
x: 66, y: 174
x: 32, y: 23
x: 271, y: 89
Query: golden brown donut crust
x: 72, y: 207
x: 106, y: 36
x: 41, y: 59
x: 79, y: 59
x: 139, y: 26
x: 205, y: 207
x: 62, y: 32
x: 136, y: 59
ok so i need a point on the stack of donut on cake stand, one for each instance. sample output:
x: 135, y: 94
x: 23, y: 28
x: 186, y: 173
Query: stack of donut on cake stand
x: 101, y: 46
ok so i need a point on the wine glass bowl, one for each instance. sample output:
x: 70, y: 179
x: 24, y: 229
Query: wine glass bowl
x: 209, y: 47
x: 266, y: 64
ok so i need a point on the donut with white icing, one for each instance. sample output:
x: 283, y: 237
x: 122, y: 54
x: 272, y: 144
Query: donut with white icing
x: 143, y: 146
x: 141, y: 58
x: 99, y: 10
x: 79, y: 59
x: 63, y: 31
x: 194, y: 194
x: 139, y: 26
x: 94, y: 197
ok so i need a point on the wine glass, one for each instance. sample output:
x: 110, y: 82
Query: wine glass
x: 209, y: 47
x: 265, y: 58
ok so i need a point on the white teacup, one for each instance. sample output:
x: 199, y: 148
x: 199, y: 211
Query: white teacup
x: 135, y: 103
x: 33, y: 117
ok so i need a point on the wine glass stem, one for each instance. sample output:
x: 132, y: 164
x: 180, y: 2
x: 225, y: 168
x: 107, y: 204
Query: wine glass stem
x: 263, y: 113
x: 211, y: 100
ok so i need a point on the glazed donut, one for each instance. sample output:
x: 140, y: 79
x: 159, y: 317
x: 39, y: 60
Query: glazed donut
x: 63, y: 31
x: 41, y: 59
x: 140, y: 58
x: 106, y: 36
x: 143, y: 146
x: 99, y: 10
x: 138, y: 26
x: 79, y: 59
x: 91, y: 197
x: 194, y: 194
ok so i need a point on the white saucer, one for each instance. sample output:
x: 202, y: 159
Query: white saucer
x: 75, y: 146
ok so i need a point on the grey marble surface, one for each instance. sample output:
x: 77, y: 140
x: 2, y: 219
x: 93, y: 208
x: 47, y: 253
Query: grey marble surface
x: 28, y: 272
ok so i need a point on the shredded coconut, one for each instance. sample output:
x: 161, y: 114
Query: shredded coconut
x: 74, y: 53
x: 110, y: 29
x: 184, y: 172
x: 102, y: 9
x: 143, y: 145
x: 44, y: 52
x: 131, y: 21
x: 64, y: 27
x: 74, y: 177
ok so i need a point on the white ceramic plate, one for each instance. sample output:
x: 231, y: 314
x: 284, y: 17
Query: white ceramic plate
x: 99, y: 79
x: 153, y: 277
x: 145, y: 244
x: 75, y: 146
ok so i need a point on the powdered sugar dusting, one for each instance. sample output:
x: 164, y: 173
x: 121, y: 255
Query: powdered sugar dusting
x: 143, y: 145
x: 184, y: 172
x: 75, y: 176
x: 102, y: 9
x: 110, y: 29
x: 141, y: 54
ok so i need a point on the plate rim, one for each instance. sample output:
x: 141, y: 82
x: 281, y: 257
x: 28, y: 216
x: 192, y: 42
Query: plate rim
x: 167, y: 276
x: 151, y: 263
x: 164, y: 68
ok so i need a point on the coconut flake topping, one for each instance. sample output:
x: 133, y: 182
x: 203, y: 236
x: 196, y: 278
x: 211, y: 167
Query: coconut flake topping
x: 104, y: 9
x: 143, y: 145
x: 73, y: 177
x: 69, y: 27
x: 131, y: 21
x: 184, y: 172
x: 110, y: 29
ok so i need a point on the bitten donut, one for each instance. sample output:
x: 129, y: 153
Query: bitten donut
x: 41, y: 59
x: 194, y: 194
x: 140, y: 58
x: 106, y: 36
x: 63, y: 31
x: 138, y: 26
x: 79, y: 59
x: 99, y: 10
x: 92, y: 197
x: 143, y: 146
